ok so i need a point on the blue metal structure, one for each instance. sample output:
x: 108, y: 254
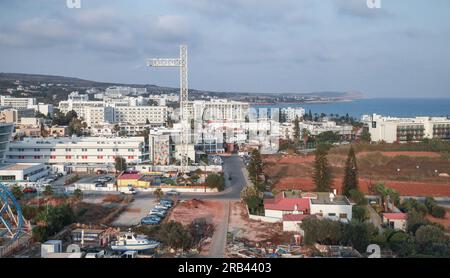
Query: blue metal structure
x: 11, y: 218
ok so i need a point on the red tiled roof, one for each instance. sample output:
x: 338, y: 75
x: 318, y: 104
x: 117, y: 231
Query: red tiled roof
x: 295, y: 217
x: 129, y: 177
x: 287, y: 204
x: 395, y: 216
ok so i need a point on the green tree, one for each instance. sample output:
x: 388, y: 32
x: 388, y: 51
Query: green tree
x: 322, y: 171
x: 351, y: 173
x: 48, y: 191
x: 120, y: 164
x: 438, y: 211
x: 402, y: 244
x: 253, y: 199
x: 431, y: 240
x: 358, y: 197
x: 430, y: 203
x: 360, y: 213
x: 324, y: 231
x: 216, y: 181
x: 415, y: 221
x: 175, y: 235
x: 39, y: 233
x: 359, y: 235
x: 365, y: 136
x: 158, y: 193
x: 296, y: 131
x: 17, y: 192
x: 255, y: 166
x: 78, y: 194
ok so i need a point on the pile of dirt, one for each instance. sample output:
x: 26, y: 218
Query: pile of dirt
x: 194, y: 203
x: 112, y: 198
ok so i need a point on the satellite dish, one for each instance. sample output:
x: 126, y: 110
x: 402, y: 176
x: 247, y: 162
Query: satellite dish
x: 73, y: 248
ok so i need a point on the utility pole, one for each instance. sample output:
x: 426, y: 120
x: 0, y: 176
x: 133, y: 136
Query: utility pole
x: 182, y: 63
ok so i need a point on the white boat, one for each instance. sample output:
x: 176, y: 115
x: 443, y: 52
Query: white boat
x: 129, y: 242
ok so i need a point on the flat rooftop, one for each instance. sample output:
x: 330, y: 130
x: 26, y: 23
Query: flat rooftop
x: 17, y: 166
x: 324, y: 199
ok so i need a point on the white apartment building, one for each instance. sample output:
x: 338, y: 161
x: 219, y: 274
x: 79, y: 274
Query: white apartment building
x: 17, y: 103
x: 114, y: 110
x: 290, y: 113
x: 392, y: 129
x: 77, y: 150
x: 5, y: 135
x: 220, y: 109
x: 140, y: 114
x: 42, y: 108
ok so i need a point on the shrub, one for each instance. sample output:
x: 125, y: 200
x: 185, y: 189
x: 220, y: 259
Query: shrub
x: 438, y: 212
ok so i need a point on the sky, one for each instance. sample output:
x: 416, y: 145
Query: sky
x: 401, y: 49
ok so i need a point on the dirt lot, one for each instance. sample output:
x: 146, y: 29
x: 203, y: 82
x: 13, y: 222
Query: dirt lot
x: 187, y: 211
x: 411, y: 173
x: 255, y: 231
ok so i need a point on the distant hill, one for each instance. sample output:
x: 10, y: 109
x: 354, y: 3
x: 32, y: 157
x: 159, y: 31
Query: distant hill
x: 7, y: 79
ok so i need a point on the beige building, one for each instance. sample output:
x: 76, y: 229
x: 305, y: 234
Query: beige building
x: 392, y: 129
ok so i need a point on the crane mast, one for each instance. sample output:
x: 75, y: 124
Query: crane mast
x: 182, y: 63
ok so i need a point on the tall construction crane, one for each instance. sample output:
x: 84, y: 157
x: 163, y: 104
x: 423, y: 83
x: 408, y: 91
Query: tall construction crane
x: 180, y: 62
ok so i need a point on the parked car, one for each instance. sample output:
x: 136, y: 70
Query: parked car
x: 161, y: 206
x: 150, y: 220
x: 166, y: 202
x: 29, y: 190
x: 158, y: 213
x: 104, y: 179
x: 173, y: 193
x: 101, y: 172
x: 127, y: 190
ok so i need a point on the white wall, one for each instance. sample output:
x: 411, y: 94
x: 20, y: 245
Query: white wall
x: 327, y: 209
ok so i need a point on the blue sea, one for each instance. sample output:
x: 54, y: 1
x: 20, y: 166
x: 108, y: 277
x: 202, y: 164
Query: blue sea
x: 381, y: 106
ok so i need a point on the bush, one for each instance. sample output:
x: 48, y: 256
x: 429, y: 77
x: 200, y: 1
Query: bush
x: 438, y: 212
x: 360, y: 213
x: 216, y: 181
x: 40, y: 233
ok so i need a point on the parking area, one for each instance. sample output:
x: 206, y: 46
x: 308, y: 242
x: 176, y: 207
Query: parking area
x: 96, y: 178
x: 135, y: 211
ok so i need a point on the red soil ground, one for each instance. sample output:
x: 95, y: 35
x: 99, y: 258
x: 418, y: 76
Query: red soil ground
x: 404, y: 153
x: 295, y: 172
x: 404, y: 188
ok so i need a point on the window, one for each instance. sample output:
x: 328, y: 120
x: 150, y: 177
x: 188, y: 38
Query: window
x: 68, y: 150
x: 130, y: 157
x: 37, y: 157
x: 53, y: 157
x: 84, y: 157
x: 343, y: 215
x: 68, y: 157
x: 37, y: 150
x: 99, y: 156
x: 115, y: 150
x: 52, y: 149
x: 331, y: 214
x: 84, y: 150
x: 99, y: 150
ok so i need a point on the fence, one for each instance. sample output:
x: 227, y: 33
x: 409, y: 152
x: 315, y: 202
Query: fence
x: 19, y: 243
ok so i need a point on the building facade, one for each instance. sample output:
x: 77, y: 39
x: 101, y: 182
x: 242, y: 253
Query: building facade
x: 392, y: 129
x: 78, y: 150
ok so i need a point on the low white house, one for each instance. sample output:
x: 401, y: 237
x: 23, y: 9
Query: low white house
x: 20, y: 172
x: 395, y: 220
x: 331, y: 206
x: 292, y: 208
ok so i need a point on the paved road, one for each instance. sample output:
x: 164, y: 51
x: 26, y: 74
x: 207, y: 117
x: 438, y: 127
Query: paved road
x: 233, y: 167
x: 219, y: 239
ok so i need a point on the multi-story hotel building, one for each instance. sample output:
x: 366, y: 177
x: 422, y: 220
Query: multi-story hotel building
x: 98, y: 112
x: 78, y: 150
x: 391, y: 129
x: 218, y: 110
x: 17, y: 103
